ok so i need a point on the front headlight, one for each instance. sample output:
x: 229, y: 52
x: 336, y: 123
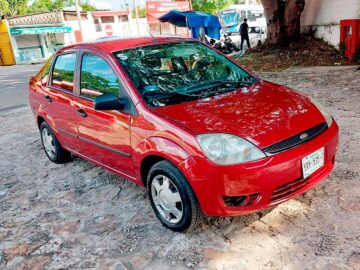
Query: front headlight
x: 323, y: 111
x: 227, y: 149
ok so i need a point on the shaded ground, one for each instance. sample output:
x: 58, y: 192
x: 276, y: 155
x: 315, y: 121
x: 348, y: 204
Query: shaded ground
x: 79, y: 216
x: 307, y: 52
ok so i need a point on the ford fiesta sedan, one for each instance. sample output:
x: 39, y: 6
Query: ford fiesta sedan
x: 201, y: 133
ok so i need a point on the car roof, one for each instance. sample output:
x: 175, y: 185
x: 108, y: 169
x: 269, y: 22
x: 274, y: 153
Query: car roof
x: 113, y: 44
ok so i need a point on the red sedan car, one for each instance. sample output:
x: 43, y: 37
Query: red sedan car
x: 203, y: 134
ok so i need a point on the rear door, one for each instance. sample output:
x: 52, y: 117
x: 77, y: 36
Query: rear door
x: 59, y: 100
x: 104, y: 135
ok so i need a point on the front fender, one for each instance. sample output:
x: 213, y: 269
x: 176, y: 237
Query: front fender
x: 158, y: 146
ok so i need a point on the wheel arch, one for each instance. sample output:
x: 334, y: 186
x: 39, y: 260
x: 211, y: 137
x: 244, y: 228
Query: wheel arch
x: 156, y: 149
x: 146, y: 165
x: 40, y: 120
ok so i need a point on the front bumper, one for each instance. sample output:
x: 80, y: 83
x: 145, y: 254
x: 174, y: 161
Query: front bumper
x: 266, y: 182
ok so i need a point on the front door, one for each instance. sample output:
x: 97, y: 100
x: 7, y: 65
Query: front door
x: 104, y: 135
x: 58, y: 100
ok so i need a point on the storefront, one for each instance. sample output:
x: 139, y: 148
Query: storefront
x: 33, y: 44
x: 34, y: 37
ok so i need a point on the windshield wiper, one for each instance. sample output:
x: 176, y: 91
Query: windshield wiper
x: 209, y: 84
x: 239, y: 82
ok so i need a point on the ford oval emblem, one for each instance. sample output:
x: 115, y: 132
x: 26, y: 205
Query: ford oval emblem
x: 304, y: 136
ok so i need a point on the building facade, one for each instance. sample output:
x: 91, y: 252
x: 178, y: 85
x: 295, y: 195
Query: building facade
x: 112, y: 23
x: 33, y: 38
x: 323, y: 17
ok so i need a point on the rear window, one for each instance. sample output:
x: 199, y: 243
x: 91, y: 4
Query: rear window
x: 63, y: 73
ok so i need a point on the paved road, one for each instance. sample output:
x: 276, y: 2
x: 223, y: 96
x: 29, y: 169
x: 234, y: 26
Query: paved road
x: 13, y: 85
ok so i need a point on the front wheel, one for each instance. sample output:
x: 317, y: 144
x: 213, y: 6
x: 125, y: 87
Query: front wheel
x: 172, y: 197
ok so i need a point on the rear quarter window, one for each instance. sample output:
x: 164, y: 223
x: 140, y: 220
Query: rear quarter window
x: 44, y: 72
x: 63, y: 72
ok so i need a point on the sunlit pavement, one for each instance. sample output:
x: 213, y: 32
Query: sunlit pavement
x: 14, y: 85
x: 78, y: 215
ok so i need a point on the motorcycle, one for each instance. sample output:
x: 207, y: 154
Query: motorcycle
x: 225, y: 45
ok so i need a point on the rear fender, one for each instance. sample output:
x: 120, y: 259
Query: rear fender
x: 47, y: 117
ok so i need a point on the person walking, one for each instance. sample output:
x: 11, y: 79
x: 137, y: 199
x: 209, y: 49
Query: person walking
x: 244, y: 32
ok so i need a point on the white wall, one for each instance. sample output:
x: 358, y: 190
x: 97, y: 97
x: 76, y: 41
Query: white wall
x: 325, y: 16
x: 124, y: 29
x: 143, y: 26
x: 88, y: 29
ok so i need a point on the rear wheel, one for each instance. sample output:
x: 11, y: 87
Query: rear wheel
x: 52, y: 147
x: 172, y: 197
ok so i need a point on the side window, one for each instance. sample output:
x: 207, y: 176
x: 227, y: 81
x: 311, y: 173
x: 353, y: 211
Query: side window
x: 63, y: 73
x: 43, y: 74
x: 97, y: 77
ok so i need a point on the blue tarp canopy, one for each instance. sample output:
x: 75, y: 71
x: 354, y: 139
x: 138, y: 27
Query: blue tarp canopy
x: 194, y: 20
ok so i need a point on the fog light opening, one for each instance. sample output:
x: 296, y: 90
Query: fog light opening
x: 235, y: 200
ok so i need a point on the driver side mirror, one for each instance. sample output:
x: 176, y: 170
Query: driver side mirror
x: 109, y: 101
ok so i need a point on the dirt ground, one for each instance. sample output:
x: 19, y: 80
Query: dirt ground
x: 303, y: 53
x: 79, y: 216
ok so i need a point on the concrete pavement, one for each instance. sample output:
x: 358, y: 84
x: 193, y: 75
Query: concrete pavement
x: 14, y: 85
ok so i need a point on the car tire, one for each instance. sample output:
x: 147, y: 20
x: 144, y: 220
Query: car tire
x: 52, y: 147
x: 166, y: 187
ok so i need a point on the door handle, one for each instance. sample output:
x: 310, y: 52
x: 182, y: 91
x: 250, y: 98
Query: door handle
x: 48, y: 98
x: 81, y: 112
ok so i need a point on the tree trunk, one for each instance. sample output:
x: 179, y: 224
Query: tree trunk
x: 283, y: 20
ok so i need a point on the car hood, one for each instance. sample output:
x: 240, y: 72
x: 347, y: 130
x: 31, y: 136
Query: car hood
x: 264, y: 113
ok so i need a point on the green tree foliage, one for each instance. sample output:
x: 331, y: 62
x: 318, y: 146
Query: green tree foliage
x: 141, y: 11
x: 4, y: 7
x: 45, y: 6
x: 16, y: 7
x: 211, y: 6
x: 13, y: 8
x: 86, y: 6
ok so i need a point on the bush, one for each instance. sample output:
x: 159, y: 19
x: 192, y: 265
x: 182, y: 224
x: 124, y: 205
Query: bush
x: 357, y: 55
x: 342, y: 48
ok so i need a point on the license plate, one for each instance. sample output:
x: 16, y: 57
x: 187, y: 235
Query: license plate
x: 312, y: 162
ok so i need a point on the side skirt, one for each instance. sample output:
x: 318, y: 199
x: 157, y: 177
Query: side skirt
x: 121, y: 174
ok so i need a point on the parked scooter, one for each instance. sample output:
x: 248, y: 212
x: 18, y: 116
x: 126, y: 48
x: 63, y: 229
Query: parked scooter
x: 225, y: 44
x: 229, y: 44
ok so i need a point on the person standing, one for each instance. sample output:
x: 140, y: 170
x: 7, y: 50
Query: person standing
x: 244, y: 32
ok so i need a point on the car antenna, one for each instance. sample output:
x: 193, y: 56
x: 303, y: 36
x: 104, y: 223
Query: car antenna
x: 153, y: 37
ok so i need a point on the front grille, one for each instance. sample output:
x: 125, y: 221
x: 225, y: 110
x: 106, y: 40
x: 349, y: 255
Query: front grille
x: 295, y: 140
x: 289, y: 188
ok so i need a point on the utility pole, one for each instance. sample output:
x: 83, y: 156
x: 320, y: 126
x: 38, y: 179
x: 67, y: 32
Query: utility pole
x: 136, y: 16
x: 79, y: 18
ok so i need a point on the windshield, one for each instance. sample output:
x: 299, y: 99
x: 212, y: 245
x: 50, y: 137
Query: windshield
x: 230, y: 17
x: 172, y: 73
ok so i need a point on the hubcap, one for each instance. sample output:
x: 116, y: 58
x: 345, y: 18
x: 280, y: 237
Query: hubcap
x: 166, y: 198
x: 48, y: 142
